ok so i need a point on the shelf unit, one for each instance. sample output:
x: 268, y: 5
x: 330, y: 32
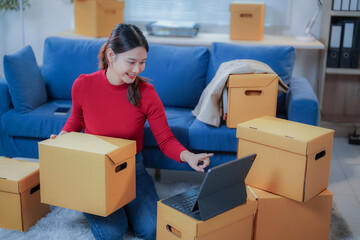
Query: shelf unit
x: 205, y: 39
x: 339, y: 88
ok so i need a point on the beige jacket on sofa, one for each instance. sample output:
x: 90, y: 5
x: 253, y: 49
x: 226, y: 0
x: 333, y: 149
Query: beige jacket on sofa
x: 208, y: 108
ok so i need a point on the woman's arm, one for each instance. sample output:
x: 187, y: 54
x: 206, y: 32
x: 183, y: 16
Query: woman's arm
x: 75, y: 123
x: 166, y: 140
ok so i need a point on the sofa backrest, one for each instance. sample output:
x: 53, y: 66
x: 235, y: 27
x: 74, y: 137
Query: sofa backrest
x: 281, y: 59
x: 177, y: 73
x: 64, y: 60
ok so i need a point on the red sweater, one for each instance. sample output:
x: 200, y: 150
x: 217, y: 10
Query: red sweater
x: 103, y: 109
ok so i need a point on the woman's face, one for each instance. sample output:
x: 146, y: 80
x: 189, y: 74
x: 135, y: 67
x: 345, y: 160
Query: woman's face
x: 127, y: 65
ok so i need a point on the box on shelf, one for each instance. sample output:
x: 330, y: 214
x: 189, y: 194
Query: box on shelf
x: 87, y: 173
x: 282, y: 219
x: 20, y: 205
x: 293, y: 159
x: 236, y: 223
x: 250, y: 96
x: 97, y: 18
x: 247, y: 21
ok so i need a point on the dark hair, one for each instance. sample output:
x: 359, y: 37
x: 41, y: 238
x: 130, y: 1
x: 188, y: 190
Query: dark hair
x: 125, y: 37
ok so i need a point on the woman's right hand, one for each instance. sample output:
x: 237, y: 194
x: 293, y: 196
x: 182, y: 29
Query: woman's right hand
x: 53, y: 136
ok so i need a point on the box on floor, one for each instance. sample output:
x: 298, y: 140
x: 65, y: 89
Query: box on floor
x: 247, y: 21
x: 97, y: 18
x: 87, y: 173
x: 282, y: 219
x: 233, y: 224
x: 20, y: 205
x: 293, y: 159
x: 251, y: 96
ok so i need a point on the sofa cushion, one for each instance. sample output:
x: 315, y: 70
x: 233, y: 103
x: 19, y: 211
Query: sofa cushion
x: 179, y: 120
x: 204, y: 137
x: 177, y: 73
x: 26, y: 85
x: 39, y: 123
x: 280, y: 58
x: 64, y: 60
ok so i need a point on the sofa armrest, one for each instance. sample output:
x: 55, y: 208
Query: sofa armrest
x: 5, y: 100
x: 302, y: 104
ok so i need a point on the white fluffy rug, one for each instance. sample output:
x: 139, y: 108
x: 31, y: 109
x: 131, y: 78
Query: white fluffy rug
x: 67, y: 224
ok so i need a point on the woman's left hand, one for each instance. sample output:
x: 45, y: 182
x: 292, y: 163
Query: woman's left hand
x: 196, y: 161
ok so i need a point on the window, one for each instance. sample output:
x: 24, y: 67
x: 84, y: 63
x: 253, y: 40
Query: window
x: 204, y: 12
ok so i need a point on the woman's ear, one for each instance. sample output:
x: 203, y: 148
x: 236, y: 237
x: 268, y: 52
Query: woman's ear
x: 110, y: 55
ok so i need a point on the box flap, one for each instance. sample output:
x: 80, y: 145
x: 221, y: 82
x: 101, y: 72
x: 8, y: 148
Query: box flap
x: 82, y: 142
x: 126, y: 148
x: 251, y: 80
x: 246, y: 6
x: 282, y: 134
x: 12, y: 173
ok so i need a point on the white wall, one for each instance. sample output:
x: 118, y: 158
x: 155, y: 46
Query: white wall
x: 47, y: 17
x: 43, y: 18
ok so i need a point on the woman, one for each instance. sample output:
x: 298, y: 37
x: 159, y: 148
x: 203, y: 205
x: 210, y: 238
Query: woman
x: 116, y: 102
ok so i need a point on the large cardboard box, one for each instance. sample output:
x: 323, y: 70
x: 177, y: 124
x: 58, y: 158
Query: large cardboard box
x: 247, y: 21
x: 97, y: 18
x: 293, y: 159
x: 282, y: 219
x: 20, y: 205
x: 87, y: 173
x: 234, y: 224
x: 251, y: 96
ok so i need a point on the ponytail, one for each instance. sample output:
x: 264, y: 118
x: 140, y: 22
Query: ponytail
x: 103, y: 62
x: 133, y: 91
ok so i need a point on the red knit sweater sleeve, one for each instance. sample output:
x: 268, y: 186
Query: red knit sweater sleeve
x: 75, y: 122
x: 166, y: 140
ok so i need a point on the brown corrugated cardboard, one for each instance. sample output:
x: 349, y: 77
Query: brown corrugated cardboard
x: 282, y: 219
x: 293, y: 159
x: 20, y: 205
x: 97, y: 18
x: 236, y: 223
x: 251, y: 96
x: 247, y: 21
x: 87, y: 173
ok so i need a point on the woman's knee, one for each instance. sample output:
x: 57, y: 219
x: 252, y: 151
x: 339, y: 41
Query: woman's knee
x: 104, y: 228
x: 148, y: 232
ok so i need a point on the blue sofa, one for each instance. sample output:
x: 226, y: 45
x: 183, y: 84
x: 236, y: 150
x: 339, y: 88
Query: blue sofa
x: 30, y: 94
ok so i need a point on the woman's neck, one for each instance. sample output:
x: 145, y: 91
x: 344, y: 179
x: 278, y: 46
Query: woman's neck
x: 113, y: 80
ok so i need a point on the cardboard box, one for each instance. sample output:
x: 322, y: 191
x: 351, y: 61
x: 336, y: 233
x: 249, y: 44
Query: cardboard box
x: 236, y: 223
x: 97, y: 18
x: 20, y: 205
x: 282, y: 219
x: 87, y: 173
x: 251, y: 96
x: 247, y: 21
x: 293, y: 159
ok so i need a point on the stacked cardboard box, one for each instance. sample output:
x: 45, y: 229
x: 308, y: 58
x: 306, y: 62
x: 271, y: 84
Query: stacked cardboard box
x: 250, y: 96
x: 87, y: 173
x: 97, y: 18
x: 236, y: 223
x: 20, y: 205
x: 290, y: 177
